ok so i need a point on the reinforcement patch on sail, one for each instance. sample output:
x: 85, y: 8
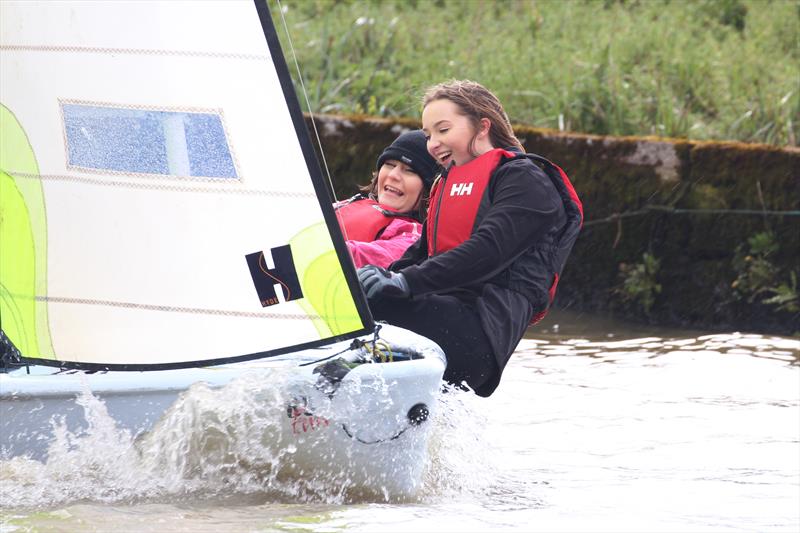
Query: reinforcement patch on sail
x: 23, y: 238
x: 328, y: 297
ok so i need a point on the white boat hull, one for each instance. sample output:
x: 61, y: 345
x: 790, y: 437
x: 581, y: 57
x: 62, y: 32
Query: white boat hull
x: 366, y: 432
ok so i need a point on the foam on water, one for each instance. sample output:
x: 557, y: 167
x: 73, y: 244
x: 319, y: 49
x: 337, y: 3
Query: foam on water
x: 652, y: 433
x: 200, y: 445
x: 224, y: 442
x: 461, y: 459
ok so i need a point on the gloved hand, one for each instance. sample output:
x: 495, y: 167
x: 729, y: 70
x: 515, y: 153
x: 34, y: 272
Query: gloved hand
x: 379, y: 281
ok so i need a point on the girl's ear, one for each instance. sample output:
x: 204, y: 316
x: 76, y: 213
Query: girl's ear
x: 486, y: 126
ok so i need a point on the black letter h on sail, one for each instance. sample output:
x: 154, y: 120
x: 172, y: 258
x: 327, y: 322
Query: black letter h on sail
x: 284, y: 274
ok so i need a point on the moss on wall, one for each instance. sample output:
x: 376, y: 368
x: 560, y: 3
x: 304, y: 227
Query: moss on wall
x: 691, y: 205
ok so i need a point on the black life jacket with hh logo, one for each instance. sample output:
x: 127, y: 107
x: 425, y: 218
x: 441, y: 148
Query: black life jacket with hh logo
x: 456, y: 198
x: 363, y: 219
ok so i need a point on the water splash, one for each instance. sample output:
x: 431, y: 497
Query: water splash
x: 234, y: 440
x: 585, y: 434
x: 202, y: 445
x: 91, y: 464
x: 462, y: 459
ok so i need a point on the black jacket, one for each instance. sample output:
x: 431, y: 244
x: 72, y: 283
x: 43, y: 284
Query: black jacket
x: 504, y: 269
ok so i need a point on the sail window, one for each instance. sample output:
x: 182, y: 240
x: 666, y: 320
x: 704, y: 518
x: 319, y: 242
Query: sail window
x: 149, y: 142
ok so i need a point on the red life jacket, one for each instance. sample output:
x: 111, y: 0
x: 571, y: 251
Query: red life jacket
x: 456, y: 197
x: 363, y: 219
x: 569, y: 234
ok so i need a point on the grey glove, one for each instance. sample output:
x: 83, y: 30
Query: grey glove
x: 379, y: 281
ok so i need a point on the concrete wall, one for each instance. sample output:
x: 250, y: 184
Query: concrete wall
x: 690, y: 205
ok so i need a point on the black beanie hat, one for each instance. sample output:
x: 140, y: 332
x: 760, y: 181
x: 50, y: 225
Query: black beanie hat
x: 411, y: 148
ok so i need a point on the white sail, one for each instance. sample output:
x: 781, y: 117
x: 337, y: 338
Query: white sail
x: 160, y: 205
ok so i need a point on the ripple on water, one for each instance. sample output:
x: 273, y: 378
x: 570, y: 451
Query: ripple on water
x: 586, y: 433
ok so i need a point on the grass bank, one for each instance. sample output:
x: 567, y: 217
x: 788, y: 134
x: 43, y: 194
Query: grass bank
x: 704, y: 69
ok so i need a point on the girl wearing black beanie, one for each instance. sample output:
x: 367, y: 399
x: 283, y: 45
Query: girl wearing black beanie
x: 381, y: 222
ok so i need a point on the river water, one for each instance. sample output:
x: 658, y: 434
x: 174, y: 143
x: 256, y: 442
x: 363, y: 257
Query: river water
x: 597, y: 426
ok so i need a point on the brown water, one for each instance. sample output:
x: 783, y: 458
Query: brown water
x: 597, y: 426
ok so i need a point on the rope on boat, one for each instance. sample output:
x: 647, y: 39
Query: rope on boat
x: 332, y: 371
x: 380, y: 349
x: 355, y: 345
x: 10, y: 355
x: 376, y: 441
x: 384, y: 354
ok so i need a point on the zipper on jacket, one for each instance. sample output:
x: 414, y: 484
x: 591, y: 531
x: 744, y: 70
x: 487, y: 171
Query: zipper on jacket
x: 442, y: 184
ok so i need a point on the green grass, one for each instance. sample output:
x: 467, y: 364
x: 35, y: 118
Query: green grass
x: 702, y: 69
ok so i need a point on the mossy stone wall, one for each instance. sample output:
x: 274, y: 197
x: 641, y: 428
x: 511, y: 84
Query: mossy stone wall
x: 691, y: 205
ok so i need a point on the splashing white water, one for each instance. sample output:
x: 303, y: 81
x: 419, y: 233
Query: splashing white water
x: 234, y: 440
x: 462, y: 460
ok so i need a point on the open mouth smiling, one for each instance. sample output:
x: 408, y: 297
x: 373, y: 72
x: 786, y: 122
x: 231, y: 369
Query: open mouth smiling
x: 444, y: 157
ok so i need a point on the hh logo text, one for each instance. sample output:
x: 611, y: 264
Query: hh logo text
x: 461, y: 189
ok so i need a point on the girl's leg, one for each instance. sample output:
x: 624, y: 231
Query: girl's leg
x: 453, y: 325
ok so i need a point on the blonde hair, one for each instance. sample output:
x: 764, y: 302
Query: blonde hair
x: 476, y: 102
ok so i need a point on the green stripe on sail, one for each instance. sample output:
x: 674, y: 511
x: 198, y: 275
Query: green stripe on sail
x: 325, y: 289
x: 23, y: 242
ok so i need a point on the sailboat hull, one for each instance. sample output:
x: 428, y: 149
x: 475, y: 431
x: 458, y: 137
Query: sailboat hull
x: 367, y: 430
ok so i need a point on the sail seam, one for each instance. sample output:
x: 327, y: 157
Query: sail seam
x: 130, y: 51
x: 173, y: 309
x: 158, y: 186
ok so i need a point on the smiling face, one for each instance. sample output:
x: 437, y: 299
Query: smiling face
x: 398, y: 186
x: 452, y: 136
